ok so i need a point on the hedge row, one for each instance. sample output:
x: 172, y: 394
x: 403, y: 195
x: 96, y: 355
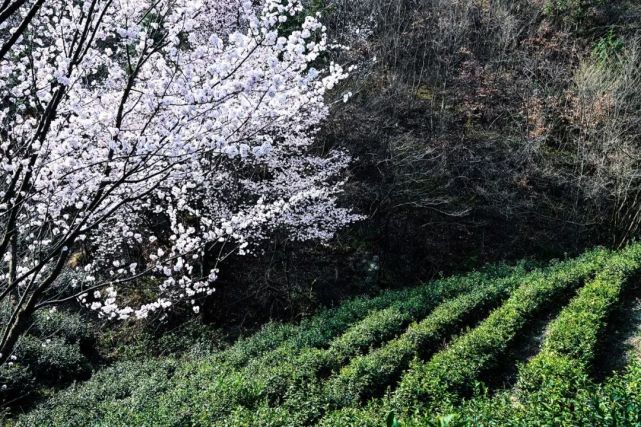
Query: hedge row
x: 555, y: 387
x: 295, y: 382
x: 270, y: 344
x: 574, y: 334
x: 453, y: 371
x: 204, y: 389
x: 272, y: 376
x: 369, y: 374
x: 617, y: 402
x: 326, y: 367
x: 307, y: 401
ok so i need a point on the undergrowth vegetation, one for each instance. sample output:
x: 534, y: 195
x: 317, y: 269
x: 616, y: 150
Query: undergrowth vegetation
x: 50, y: 354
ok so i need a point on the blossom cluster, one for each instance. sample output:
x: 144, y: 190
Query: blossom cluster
x: 144, y: 138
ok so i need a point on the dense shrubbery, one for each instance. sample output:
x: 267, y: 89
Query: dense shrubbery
x: 51, y: 354
x: 100, y: 398
x: 574, y: 334
x: 267, y: 364
x: 202, y: 389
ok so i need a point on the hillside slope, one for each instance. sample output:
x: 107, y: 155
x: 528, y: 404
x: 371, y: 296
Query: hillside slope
x: 507, y: 345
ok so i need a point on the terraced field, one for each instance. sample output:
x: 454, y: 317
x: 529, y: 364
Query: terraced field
x: 509, y: 345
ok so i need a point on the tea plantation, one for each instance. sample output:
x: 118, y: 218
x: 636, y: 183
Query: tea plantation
x: 508, y: 345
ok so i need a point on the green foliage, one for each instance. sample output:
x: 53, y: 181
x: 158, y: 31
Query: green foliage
x: 364, y: 376
x: 617, y: 402
x: 63, y: 324
x: 112, y: 397
x: 556, y: 385
x: 133, y: 341
x: 452, y: 371
x: 332, y: 369
x: 51, y: 359
x: 289, y: 381
x: 572, y: 338
x: 267, y: 365
x: 573, y: 12
x: 278, y: 374
x: 608, y: 49
x: 16, y: 381
x: 48, y: 355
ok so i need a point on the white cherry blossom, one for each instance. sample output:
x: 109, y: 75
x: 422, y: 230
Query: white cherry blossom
x: 140, y: 140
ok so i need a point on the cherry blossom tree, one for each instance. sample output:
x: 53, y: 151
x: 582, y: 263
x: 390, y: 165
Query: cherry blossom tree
x: 141, y: 139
